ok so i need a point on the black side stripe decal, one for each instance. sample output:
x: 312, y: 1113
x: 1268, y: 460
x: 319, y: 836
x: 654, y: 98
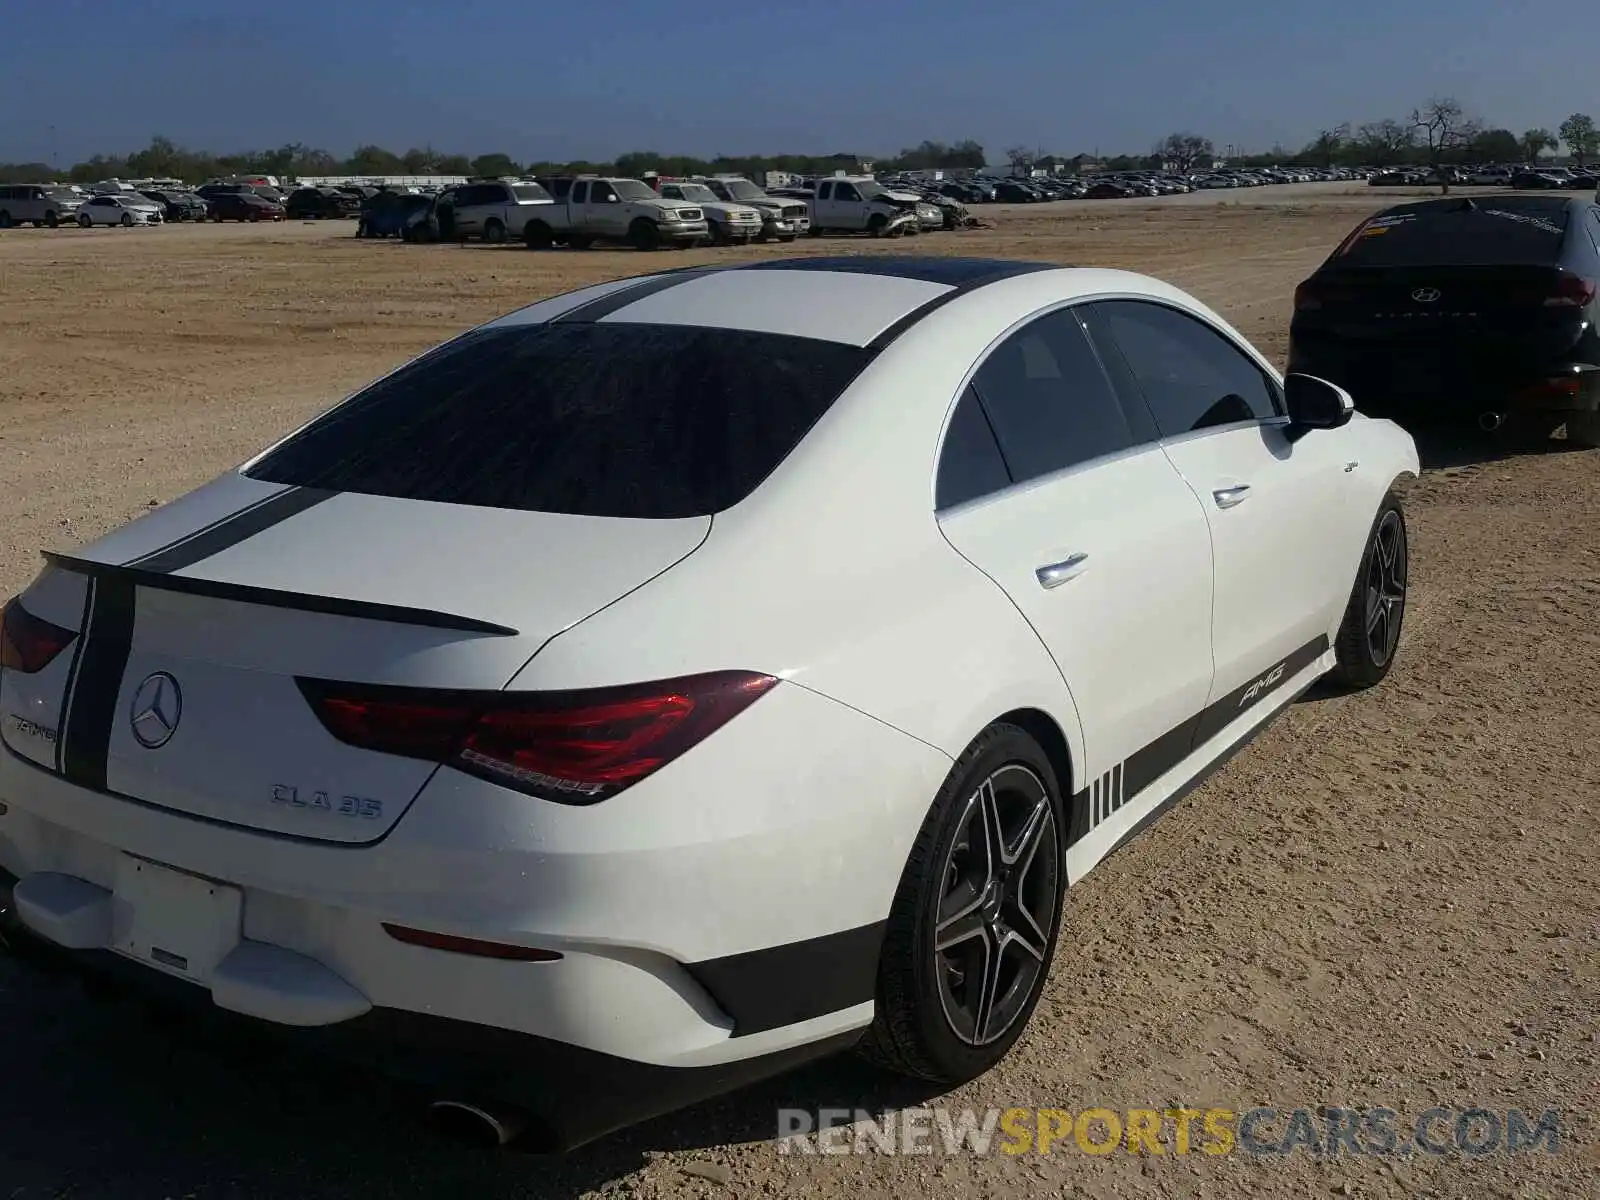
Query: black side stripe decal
x: 1126, y: 780
x: 1007, y: 271
x: 232, y: 530
x: 611, y: 302
x: 92, y: 705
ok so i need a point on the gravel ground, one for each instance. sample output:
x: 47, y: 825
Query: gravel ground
x: 1387, y: 900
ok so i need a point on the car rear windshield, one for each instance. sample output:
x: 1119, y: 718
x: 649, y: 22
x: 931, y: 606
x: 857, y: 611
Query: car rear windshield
x: 529, y: 191
x: 609, y: 420
x: 1491, y: 232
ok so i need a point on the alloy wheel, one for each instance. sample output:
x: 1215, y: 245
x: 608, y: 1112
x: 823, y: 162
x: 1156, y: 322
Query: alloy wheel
x: 998, y: 905
x: 1386, y: 588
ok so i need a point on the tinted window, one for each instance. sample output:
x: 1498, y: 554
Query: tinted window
x: 825, y: 192
x: 580, y: 193
x: 1494, y: 231
x: 530, y: 191
x: 845, y: 191
x: 1048, y: 399
x: 610, y: 420
x: 970, y: 464
x: 601, y: 192
x: 1190, y: 375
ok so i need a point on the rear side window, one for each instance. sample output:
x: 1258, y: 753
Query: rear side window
x: 970, y: 464
x: 607, y: 420
x: 1189, y: 374
x: 1493, y: 231
x: 1048, y: 399
x: 529, y: 191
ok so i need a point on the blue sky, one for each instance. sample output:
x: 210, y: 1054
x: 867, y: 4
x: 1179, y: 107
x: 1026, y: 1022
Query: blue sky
x: 554, y: 80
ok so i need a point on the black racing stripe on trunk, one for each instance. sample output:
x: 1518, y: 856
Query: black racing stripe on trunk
x: 239, y: 527
x: 72, y: 671
x: 928, y: 268
x: 782, y: 985
x: 611, y: 302
x: 107, y: 642
x: 1153, y: 760
x: 194, y: 533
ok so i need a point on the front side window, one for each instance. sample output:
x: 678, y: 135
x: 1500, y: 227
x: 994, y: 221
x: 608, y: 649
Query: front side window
x: 608, y: 420
x: 632, y: 189
x: 601, y: 192
x: 1191, y: 376
x: 1048, y: 399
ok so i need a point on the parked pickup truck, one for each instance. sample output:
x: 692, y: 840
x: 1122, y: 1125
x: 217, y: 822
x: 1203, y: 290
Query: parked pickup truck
x: 856, y: 203
x: 616, y: 210
x: 781, y: 218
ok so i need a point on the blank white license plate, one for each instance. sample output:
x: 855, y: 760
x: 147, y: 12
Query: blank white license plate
x: 181, y: 923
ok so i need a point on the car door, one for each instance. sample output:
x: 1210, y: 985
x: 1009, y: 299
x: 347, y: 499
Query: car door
x: 1100, y: 544
x: 848, y: 210
x: 1278, y: 509
x: 607, y: 217
x: 822, y: 205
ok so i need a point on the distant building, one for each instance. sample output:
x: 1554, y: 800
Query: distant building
x: 1085, y: 164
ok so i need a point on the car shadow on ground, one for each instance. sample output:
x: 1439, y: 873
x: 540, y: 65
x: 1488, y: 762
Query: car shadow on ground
x: 1441, y: 445
x: 108, y: 1096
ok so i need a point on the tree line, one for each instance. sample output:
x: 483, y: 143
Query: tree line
x: 165, y: 159
x: 1437, y: 132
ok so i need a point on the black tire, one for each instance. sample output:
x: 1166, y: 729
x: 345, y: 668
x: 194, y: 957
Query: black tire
x: 127, y: 221
x: 1369, y: 635
x: 494, y: 231
x: 644, y: 235
x: 52, y: 219
x: 1527, y: 430
x: 931, y: 1023
x: 816, y: 231
x: 85, y: 222
x: 1583, y: 429
x: 876, y: 224
x: 536, y: 235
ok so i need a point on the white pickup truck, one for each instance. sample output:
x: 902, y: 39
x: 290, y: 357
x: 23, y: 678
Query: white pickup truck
x: 616, y: 210
x: 496, y: 210
x: 859, y: 203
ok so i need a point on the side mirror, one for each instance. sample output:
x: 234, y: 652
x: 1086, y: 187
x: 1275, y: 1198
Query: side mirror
x: 1315, y: 404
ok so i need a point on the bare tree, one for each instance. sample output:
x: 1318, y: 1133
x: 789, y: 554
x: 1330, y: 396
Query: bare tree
x: 1021, y: 160
x: 1445, y: 129
x: 1328, y: 142
x: 1184, y: 150
x: 1383, y: 142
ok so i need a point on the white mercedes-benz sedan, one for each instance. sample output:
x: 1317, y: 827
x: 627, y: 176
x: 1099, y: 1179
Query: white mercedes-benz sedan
x: 690, y: 675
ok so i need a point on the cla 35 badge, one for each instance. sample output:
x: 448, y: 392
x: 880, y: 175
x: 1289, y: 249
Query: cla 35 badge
x: 157, y: 708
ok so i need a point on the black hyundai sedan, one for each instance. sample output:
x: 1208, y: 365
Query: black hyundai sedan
x: 1480, y: 309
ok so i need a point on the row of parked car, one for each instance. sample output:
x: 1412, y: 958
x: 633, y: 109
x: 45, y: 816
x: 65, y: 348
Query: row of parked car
x: 53, y: 205
x: 982, y: 189
x: 1523, y: 177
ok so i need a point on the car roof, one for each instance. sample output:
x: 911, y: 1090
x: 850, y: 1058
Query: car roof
x: 864, y: 300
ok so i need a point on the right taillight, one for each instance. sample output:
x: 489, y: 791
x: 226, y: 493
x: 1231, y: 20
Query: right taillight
x: 573, y: 747
x: 28, y: 643
x: 1571, y: 291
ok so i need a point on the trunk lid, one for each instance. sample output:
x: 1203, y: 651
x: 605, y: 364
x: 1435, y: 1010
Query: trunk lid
x: 180, y: 690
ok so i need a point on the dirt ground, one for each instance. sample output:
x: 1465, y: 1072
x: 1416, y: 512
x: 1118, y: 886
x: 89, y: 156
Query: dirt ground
x: 1387, y: 900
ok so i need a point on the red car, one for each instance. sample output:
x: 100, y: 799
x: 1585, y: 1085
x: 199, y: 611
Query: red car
x: 244, y: 206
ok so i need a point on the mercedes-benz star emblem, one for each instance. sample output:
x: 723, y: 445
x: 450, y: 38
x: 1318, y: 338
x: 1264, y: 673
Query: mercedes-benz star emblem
x: 1426, y: 295
x: 157, y: 709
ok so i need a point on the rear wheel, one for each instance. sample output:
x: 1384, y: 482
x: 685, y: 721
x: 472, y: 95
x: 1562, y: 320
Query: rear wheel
x: 1583, y: 429
x: 974, y: 921
x: 1369, y: 637
x: 536, y: 235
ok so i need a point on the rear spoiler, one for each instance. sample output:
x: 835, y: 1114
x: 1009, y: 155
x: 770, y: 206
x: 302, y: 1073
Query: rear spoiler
x: 274, y: 598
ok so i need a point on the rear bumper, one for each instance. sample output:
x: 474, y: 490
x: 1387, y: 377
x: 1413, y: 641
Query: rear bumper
x: 573, y: 1095
x: 1448, y: 381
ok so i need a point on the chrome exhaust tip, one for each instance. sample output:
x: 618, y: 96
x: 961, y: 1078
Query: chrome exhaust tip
x: 1490, y: 421
x: 482, y: 1124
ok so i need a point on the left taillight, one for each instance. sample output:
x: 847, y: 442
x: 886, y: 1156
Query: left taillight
x: 28, y: 643
x: 572, y: 747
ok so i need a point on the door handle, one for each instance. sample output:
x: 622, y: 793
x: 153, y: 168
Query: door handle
x: 1229, y: 496
x: 1053, y: 575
